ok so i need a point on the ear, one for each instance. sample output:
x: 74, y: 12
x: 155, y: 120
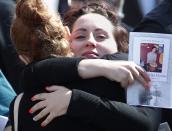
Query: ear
x: 67, y: 33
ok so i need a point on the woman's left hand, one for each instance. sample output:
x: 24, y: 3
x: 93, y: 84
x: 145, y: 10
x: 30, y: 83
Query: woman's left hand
x: 53, y: 104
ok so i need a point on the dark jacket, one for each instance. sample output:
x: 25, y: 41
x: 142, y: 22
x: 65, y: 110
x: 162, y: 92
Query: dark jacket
x: 159, y: 20
x: 96, y: 105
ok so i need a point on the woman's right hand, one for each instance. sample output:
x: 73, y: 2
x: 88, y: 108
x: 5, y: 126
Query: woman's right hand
x: 124, y: 72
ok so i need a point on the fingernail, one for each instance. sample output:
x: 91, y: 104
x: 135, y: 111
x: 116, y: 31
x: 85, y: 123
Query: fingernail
x: 33, y: 98
x: 147, y: 85
x: 30, y: 111
x: 42, y: 125
x: 34, y: 119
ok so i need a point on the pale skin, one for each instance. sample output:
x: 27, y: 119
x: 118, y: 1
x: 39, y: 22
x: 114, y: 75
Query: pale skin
x: 8, y: 128
x: 90, y: 40
x: 92, y: 37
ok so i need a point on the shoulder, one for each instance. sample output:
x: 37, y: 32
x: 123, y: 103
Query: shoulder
x: 116, y: 56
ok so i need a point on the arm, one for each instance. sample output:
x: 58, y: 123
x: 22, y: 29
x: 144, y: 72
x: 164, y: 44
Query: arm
x: 112, y: 115
x: 61, y: 70
x: 100, y: 112
x: 50, y: 71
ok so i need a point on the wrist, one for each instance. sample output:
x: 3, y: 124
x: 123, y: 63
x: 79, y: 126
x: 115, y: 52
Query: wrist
x: 90, y: 68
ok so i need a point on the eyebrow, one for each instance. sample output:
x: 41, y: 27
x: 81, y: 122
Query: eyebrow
x: 83, y: 29
x: 80, y: 29
x: 99, y: 29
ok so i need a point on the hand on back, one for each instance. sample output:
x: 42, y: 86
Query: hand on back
x: 52, y: 104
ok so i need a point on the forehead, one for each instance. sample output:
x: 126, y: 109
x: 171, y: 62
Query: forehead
x: 92, y: 21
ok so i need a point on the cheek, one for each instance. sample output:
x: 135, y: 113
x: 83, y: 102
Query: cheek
x: 107, y: 49
x: 103, y: 51
x: 111, y: 46
x: 75, y: 46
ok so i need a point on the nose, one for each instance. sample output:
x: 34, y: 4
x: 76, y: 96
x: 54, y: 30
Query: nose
x: 91, y: 41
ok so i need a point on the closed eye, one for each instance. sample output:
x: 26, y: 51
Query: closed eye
x: 80, y: 37
x: 101, y: 37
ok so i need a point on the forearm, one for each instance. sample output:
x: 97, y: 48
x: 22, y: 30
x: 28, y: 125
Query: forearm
x: 112, y: 115
x: 52, y: 71
x: 62, y: 70
x: 90, y: 68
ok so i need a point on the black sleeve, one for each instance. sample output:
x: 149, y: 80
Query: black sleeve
x: 55, y: 71
x: 52, y: 71
x: 112, y: 115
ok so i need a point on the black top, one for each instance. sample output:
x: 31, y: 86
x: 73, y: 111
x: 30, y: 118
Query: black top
x: 96, y: 104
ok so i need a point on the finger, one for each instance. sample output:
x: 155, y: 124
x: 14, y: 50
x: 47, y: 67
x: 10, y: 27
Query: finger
x: 128, y: 80
x: 37, y: 106
x: 143, y: 82
x: 47, y: 120
x: 52, y: 88
x: 42, y: 114
x: 134, y: 71
x: 41, y: 96
x: 141, y: 76
x: 143, y: 73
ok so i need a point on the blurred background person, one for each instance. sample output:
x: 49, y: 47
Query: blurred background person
x: 147, y: 5
x: 10, y: 64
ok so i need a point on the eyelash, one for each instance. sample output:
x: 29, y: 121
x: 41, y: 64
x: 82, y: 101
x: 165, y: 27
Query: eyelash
x: 101, y: 36
x: 97, y: 37
x: 80, y: 37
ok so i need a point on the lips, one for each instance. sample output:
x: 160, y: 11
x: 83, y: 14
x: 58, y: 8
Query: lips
x: 90, y: 54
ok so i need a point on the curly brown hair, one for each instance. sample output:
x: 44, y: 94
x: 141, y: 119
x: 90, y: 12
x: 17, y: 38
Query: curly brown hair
x: 37, y: 33
x: 105, y: 9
